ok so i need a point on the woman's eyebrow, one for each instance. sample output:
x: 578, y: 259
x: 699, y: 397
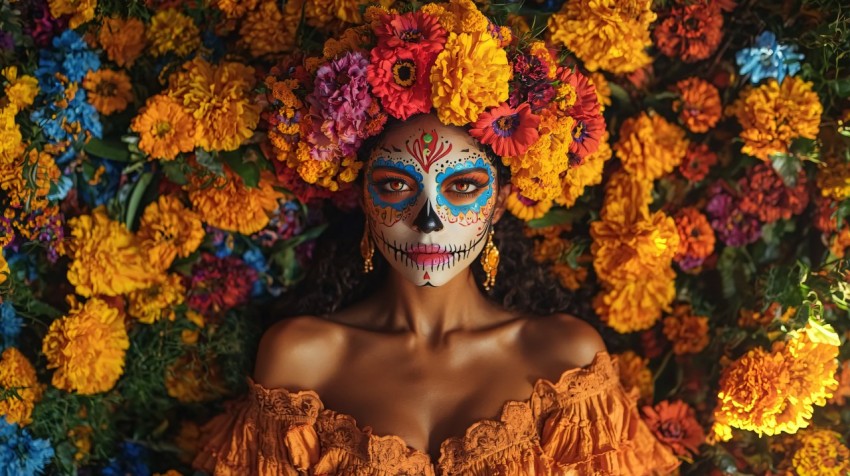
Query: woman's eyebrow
x: 470, y: 170
x: 391, y: 168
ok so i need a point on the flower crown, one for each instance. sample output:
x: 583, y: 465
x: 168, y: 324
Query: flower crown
x: 533, y: 109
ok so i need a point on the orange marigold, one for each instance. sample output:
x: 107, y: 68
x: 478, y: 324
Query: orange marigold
x: 164, y: 128
x: 821, y: 453
x: 105, y: 257
x: 108, y: 91
x: 690, y: 30
x: 229, y: 205
x: 235, y: 8
x: 698, y: 104
x: 698, y: 160
x: 569, y: 277
x: 611, y: 35
x: 219, y: 97
x: 635, y: 373
x: 773, y: 115
x: 833, y: 179
x: 537, y: 173
x: 168, y: 229
x: 649, y: 146
x: 687, y: 332
x: 123, y: 40
x: 87, y: 348
x: 632, y: 250
x: 191, y: 379
x: 81, y: 11
x: 268, y: 30
x: 841, y: 393
x: 696, y: 237
x: 18, y: 375
x: 629, y: 306
x: 675, y: 424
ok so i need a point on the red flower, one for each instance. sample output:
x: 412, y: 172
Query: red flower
x: 697, y: 161
x: 691, y: 31
x: 400, y: 80
x: 675, y: 425
x: 586, y: 105
x: 586, y: 135
x: 217, y: 285
x: 415, y: 31
x: 765, y: 195
x: 508, y: 131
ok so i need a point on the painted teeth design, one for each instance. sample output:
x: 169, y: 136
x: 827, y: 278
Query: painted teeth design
x: 456, y: 252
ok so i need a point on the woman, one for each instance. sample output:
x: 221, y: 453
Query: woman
x: 427, y: 376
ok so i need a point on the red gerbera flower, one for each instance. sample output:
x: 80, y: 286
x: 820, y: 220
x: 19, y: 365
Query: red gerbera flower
x: 415, y: 31
x: 586, y: 135
x: 400, y: 80
x: 508, y: 131
x: 586, y: 103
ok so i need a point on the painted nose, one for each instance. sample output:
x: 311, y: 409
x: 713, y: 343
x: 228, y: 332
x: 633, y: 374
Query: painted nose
x: 427, y: 221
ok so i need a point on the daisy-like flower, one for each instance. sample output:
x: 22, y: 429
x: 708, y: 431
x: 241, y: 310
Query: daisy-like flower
x: 87, y: 348
x: 417, y: 32
x: 508, y: 131
x: 586, y: 174
x: 768, y: 59
x: 400, y: 80
x: 164, y: 127
x: 109, y: 91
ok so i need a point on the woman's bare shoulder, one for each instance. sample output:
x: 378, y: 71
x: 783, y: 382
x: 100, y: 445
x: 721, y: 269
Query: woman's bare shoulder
x: 560, y: 342
x: 299, y: 353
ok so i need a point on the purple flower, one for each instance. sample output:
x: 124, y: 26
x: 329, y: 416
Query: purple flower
x: 339, y: 104
x: 732, y: 225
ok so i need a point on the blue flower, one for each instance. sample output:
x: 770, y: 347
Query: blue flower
x: 79, y: 112
x: 769, y: 59
x: 76, y: 57
x: 255, y: 259
x: 132, y: 461
x: 20, y: 453
x: 10, y: 325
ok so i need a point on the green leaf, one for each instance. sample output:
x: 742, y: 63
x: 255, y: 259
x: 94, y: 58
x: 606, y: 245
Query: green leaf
x: 239, y: 161
x: 136, y: 198
x: 176, y: 172
x: 108, y: 149
x: 787, y: 166
x: 558, y: 216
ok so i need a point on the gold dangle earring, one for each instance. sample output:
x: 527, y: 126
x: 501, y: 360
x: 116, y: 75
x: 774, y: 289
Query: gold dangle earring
x: 367, y: 250
x: 490, y: 261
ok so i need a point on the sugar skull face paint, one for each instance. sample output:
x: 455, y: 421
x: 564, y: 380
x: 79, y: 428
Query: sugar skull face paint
x: 429, y: 194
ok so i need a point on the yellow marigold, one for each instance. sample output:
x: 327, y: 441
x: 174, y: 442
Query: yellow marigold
x: 773, y: 392
x: 105, y: 257
x: 192, y: 379
x: 172, y: 31
x: 587, y: 174
x: 772, y: 116
x: 687, y: 332
x: 469, y: 75
x: 833, y: 179
x: 229, y: 205
x: 821, y: 453
x: 165, y: 129
x: 81, y: 11
x: 20, y: 90
x: 698, y: 104
x: 266, y: 30
x: 18, y: 374
x: 87, y: 348
x: 325, y: 173
x: 631, y: 250
x: 235, y: 8
x: 525, y: 208
x: 219, y: 97
x: 123, y: 40
x: 605, y: 34
x: 158, y: 301
x: 11, y: 141
x: 4, y: 268
x: 537, y: 173
x: 603, y: 89
x: 168, y: 229
x: 636, y: 305
x: 36, y: 165
x: 458, y: 16
x: 635, y: 373
x: 649, y: 146
x: 108, y: 91
x: 569, y: 277
x: 328, y: 13
x: 80, y: 436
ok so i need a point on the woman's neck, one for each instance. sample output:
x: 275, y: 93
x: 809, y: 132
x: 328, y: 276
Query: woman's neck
x: 432, y: 312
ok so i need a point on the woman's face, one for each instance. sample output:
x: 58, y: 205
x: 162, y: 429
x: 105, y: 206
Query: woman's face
x: 429, y: 195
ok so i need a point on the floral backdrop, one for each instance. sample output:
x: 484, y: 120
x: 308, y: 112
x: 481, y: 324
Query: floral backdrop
x: 148, y: 212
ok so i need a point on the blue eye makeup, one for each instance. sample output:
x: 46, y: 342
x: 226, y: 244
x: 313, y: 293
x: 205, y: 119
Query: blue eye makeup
x: 382, y: 188
x: 466, y: 186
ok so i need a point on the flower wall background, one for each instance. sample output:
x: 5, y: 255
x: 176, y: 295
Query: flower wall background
x: 147, y: 216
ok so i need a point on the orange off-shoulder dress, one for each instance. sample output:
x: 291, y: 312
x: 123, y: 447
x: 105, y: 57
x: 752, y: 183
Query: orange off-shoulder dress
x: 584, y: 424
